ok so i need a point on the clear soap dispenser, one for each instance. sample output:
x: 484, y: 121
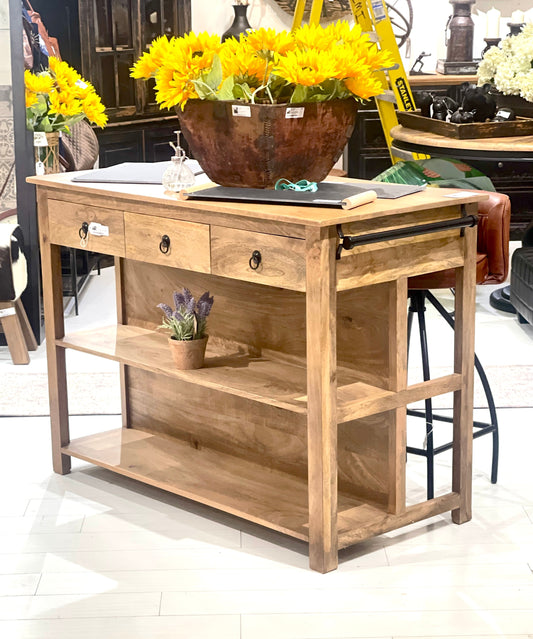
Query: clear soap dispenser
x: 178, y: 176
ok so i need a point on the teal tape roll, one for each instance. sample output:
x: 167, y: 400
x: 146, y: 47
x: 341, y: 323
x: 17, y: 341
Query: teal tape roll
x: 303, y: 185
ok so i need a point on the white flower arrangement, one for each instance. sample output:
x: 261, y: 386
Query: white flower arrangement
x: 509, y: 67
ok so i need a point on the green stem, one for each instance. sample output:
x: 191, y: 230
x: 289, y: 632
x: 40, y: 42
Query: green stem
x: 206, y: 85
x: 266, y: 86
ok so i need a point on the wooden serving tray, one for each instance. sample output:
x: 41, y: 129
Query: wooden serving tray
x: 472, y: 130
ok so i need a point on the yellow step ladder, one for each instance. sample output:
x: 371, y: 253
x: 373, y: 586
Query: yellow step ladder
x: 372, y: 16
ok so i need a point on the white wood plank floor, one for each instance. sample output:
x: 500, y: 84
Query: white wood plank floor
x: 91, y: 554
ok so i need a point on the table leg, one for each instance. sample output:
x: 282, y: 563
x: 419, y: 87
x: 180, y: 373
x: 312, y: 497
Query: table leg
x: 322, y: 399
x: 465, y: 299
x: 54, y: 329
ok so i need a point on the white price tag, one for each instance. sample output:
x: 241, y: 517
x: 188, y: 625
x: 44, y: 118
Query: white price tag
x: 294, y: 112
x: 39, y: 168
x: 379, y: 10
x: 241, y: 111
x: 39, y: 138
x: 81, y: 84
x: 458, y: 194
x: 98, y: 229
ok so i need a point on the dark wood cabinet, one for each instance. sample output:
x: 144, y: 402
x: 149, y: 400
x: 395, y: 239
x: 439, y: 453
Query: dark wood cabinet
x: 368, y: 154
x: 113, y: 34
x: 102, y: 39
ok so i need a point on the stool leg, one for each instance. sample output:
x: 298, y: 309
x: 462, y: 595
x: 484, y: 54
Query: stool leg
x: 493, y: 426
x: 493, y: 419
x: 29, y: 337
x: 14, y: 335
x: 417, y: 303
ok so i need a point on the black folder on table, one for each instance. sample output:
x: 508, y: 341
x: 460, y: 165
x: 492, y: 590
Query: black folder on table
x: 328, y: 193
x: 133, y: 173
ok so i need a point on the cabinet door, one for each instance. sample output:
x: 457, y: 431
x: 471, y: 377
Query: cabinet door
x: 109, y: 35
x: 118, y: 146
x: 113, y: 34
x: 156, y: 141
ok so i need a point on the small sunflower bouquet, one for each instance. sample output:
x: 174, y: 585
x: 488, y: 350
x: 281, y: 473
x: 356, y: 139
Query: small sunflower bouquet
x: 311, y: 64
x: 58, y: 97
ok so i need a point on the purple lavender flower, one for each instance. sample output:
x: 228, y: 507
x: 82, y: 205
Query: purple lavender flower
x: 184, y: 298
x: 204, y: 305
x: 166, y: 309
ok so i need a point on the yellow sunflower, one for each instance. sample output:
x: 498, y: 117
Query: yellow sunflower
x: 150, y: 61
x: 307, y: 68
x: 94, y: 109
x: 173, y: 88
x: 65, y: 75
x: 239, y: 59
x: 270, y: 41
x: 38, y: 83
x: 364, y: 85
x: 314, y: 37
x: 31, y: 98
x: 63, y: 103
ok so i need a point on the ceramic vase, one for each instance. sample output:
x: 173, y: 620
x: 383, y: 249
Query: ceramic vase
x: 240, y: 22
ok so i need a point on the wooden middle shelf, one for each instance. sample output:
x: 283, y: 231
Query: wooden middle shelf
x: 264, y: 379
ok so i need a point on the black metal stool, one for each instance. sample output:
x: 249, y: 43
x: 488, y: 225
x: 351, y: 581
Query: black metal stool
x: 492, y: 265
x: 417, y: 306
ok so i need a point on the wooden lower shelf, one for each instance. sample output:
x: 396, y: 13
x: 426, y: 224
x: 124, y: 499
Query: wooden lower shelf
x: 265, y: 496
x: 248, y: 490
x: 264, y: 379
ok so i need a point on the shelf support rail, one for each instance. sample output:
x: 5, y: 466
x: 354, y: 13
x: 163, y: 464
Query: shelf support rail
x: 349, y: 242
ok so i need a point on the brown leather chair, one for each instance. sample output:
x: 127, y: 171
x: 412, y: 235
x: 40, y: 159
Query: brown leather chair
x: 492, y: 266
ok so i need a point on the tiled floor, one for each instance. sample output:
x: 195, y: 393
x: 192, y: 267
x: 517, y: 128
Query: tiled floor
x: 94, y: 555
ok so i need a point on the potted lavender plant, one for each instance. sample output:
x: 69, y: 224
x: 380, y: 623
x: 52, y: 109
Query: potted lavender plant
x: 187, y: 323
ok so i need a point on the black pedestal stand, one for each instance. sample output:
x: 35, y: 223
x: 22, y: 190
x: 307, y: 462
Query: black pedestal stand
x: 501, y: 300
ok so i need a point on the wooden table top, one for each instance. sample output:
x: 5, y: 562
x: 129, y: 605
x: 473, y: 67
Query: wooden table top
x: 438, y: 79
x: 316, y: 216
x: 521, y: 144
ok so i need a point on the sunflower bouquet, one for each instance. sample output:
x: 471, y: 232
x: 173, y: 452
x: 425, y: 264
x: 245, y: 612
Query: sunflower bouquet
x: 58, y: 97
x: 310, y: 64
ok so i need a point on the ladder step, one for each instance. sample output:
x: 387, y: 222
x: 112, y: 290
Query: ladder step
x: 387, y: 96
x: 403, y: 155
x: 372, y: 36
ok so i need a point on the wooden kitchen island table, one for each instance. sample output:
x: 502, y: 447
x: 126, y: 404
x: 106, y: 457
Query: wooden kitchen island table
x: 297, y: 421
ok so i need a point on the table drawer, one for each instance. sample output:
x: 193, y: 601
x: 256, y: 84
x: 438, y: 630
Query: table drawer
x: 280, y: 260
x: 67, y: 218
x: 187, y: 246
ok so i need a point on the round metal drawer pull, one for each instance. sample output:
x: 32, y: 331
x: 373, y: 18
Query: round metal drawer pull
x: 83, y: 232
x: 255, y: 260
x: 164, y: 245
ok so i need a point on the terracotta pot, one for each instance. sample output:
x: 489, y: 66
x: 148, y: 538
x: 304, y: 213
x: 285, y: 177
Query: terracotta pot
x: 518, y: 104
x: 188, y: 354
x: 254, y: 145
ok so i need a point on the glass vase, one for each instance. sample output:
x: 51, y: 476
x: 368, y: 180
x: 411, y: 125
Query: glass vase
x: 46, y: 146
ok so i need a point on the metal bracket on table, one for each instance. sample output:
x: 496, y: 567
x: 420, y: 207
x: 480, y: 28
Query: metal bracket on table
x: 349, y: 242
